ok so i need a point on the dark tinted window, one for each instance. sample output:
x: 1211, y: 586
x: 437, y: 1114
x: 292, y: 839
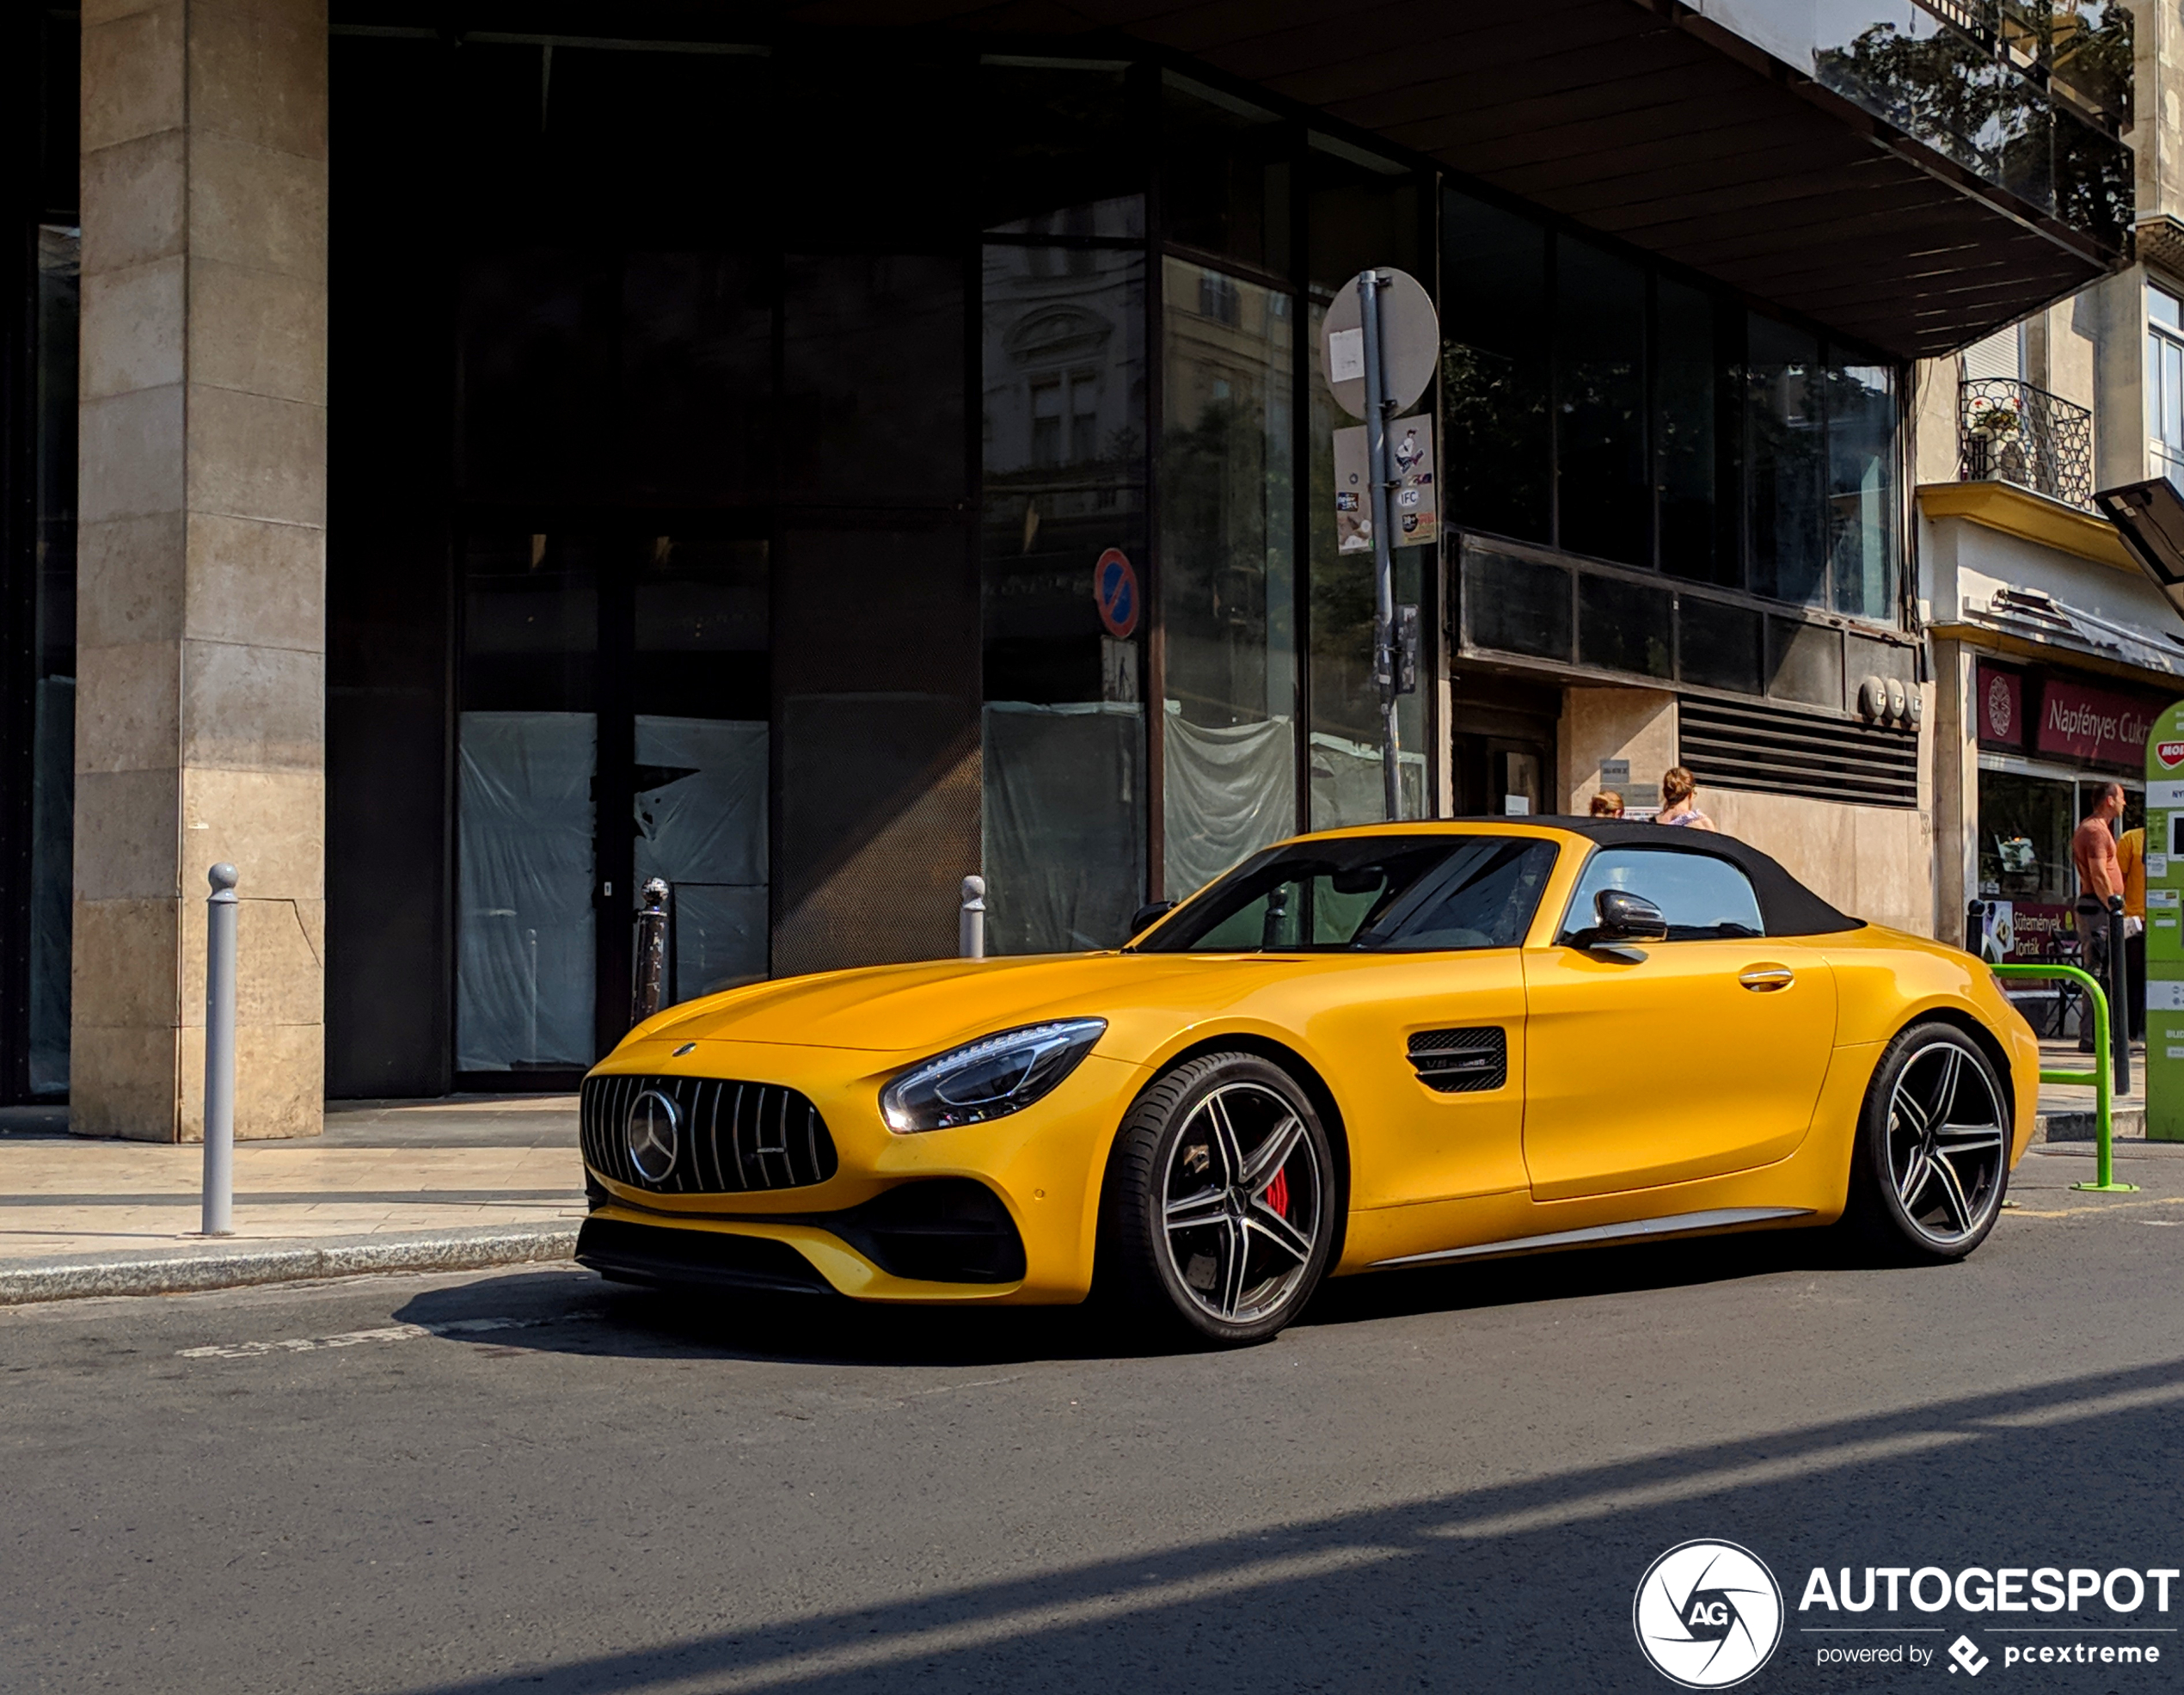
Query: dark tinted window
x: 1702, y: 898
x: 1394, y: 894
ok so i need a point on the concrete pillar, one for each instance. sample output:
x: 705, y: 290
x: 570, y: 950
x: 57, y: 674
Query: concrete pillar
x: 200, y: 601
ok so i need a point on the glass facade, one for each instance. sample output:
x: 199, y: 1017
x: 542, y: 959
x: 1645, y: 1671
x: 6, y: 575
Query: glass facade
x: 1228, y: 563
x: 1606, y: 408
x: 952, y: 490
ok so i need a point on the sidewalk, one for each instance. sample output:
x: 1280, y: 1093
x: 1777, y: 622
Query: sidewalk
x: 432, y: 1185
x: 2067, y: 1109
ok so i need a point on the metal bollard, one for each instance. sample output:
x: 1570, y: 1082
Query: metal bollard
x: 651, y: 953
x: 219, y: 1054
x: 1975, y: 913
x: 971, y: 922
x: 2119, y: 988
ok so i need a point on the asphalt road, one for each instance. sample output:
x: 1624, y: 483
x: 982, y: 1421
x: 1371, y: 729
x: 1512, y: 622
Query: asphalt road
x: 536, y: 1482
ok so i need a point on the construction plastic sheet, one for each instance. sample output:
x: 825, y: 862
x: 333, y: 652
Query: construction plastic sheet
x: 1348, y: 787
x: 702, y: 825
x: 1228, y: 792
x: 1065, y: 851
x: 525, y: 963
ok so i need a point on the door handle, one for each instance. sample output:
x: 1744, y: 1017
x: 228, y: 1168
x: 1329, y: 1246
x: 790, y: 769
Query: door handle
x: 1765, y: 978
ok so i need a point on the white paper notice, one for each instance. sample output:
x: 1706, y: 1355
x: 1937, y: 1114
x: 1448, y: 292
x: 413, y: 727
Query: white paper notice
x: 1345, y: 356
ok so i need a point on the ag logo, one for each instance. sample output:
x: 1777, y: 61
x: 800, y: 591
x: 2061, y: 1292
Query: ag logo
x: 2170, y: 753
x: 1708, y: 1614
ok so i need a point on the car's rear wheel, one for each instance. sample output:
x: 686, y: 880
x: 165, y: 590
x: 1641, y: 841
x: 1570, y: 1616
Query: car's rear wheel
x: 1219, y: 1208
x: 1932, y: 1160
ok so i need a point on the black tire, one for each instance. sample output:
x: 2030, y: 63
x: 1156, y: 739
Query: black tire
x: 1176, y: 1209
x: 1931, y: 1163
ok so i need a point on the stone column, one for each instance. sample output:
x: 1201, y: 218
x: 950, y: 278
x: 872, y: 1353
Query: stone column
x: 200, y: 603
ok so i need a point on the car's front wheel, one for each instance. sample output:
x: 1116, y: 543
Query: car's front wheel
x: 1219, y: 1209
x: 1932, y: 1160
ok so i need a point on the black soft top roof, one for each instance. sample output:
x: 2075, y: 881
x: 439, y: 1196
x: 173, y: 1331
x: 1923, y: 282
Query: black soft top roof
x: 1788, y: 907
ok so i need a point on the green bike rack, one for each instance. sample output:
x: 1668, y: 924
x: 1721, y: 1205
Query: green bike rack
x: 2104, y: 1169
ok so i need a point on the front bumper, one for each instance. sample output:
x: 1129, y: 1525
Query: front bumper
x: 1004, y: 1212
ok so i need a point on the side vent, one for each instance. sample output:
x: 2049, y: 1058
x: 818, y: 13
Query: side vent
x: 1461, y: 1062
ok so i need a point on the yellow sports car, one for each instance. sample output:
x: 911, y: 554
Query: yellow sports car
x: 1399, y: 1045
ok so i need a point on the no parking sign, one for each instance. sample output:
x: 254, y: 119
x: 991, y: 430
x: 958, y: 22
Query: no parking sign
x: 1115, y: 590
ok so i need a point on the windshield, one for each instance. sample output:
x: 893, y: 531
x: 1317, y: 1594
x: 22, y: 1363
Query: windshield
x: 1396, y: 894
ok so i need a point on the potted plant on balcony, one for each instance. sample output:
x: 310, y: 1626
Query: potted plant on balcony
x: 1992, y: 440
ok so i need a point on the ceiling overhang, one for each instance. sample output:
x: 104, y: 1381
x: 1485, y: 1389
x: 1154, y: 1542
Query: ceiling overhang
x: 1641, y: 119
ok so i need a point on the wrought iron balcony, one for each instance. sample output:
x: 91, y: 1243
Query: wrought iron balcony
x: 2011, y: 431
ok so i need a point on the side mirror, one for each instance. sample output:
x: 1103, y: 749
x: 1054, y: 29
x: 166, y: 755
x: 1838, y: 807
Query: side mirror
x: 1147, y: 916
x: 1621, y: 916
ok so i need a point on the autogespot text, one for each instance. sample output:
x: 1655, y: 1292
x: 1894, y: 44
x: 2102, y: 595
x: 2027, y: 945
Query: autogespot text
x: 2098, y: 1602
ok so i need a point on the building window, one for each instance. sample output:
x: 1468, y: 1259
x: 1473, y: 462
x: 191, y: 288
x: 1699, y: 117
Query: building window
x: 1065, y: 478
x: 2165, y: 383
x: 1598, y: 404
x: 1228, y: 565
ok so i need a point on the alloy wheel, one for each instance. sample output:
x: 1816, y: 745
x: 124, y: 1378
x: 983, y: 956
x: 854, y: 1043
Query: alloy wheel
x: 1243, y: 1202
x: 1947, y: 1153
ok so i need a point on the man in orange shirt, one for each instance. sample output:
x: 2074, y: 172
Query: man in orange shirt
x: 2131, y: 859
x: 2093, y: 852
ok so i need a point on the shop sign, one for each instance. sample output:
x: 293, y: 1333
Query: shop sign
x: 2093, y: 724
x: 2002, y: 705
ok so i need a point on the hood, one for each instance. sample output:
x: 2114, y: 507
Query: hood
x: 897, y: 1009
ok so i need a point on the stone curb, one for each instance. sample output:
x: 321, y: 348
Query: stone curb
x: 225, y: 1267
x: 2129, y: 1124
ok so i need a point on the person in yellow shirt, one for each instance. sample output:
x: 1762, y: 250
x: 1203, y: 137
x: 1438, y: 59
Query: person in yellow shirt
x: 2131, y: 859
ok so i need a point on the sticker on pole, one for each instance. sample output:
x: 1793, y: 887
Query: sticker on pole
x: 1414, y: 510
x: 1115, y: 588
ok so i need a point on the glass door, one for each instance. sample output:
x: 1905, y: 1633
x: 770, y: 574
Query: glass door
x: 612, y: 726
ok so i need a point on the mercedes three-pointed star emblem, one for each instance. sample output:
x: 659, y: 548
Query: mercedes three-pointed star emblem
x: 652, y: 1132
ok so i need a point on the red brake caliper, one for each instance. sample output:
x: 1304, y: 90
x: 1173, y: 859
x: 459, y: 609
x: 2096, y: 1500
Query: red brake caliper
x: 1278, y: 1193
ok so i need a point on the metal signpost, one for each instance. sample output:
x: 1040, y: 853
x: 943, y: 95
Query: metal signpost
x: 2164, y: 939
x: 1379, y: 345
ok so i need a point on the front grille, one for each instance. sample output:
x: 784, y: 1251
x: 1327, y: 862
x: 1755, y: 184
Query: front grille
x: 733, y: 1138
x: 1459, y: 1062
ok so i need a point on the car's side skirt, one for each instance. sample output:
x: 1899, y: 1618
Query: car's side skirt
x: 1674, y: 1223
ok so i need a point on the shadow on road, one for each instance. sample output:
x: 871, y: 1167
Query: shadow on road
x: 617, y: 1320
x: 1521, y: 1585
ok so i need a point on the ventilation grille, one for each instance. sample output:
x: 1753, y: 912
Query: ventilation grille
x: 731, y: 1137
x: 1771, y: 751
x: 1461, y: 1062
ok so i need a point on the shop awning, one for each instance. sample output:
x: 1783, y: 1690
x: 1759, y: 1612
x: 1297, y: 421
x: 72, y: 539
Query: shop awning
x: 2027, y: 616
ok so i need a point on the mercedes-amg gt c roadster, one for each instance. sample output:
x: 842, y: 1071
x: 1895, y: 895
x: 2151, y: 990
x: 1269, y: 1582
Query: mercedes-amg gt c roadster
x: 1400, y: 1045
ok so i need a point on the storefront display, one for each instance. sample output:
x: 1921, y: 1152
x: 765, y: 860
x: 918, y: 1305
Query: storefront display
x: 2048, y: 746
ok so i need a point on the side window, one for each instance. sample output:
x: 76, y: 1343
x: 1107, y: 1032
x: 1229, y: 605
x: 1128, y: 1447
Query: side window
x: 1702, y: 898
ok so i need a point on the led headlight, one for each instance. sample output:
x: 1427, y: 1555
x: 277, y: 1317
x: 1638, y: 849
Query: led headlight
x: 988, y: 1079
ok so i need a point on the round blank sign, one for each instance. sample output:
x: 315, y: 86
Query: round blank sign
x: 1410, y: 337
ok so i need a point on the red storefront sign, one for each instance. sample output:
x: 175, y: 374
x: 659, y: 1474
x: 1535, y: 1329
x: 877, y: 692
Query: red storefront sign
x: 2093, y: 724
x: 2002, y: 706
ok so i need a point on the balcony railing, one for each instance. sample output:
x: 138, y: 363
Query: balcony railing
x: 2011, y: 431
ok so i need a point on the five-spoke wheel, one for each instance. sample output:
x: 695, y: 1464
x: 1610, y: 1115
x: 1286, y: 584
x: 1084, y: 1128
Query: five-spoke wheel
x: 1933, y: 1158
x: 1219, y: 1210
